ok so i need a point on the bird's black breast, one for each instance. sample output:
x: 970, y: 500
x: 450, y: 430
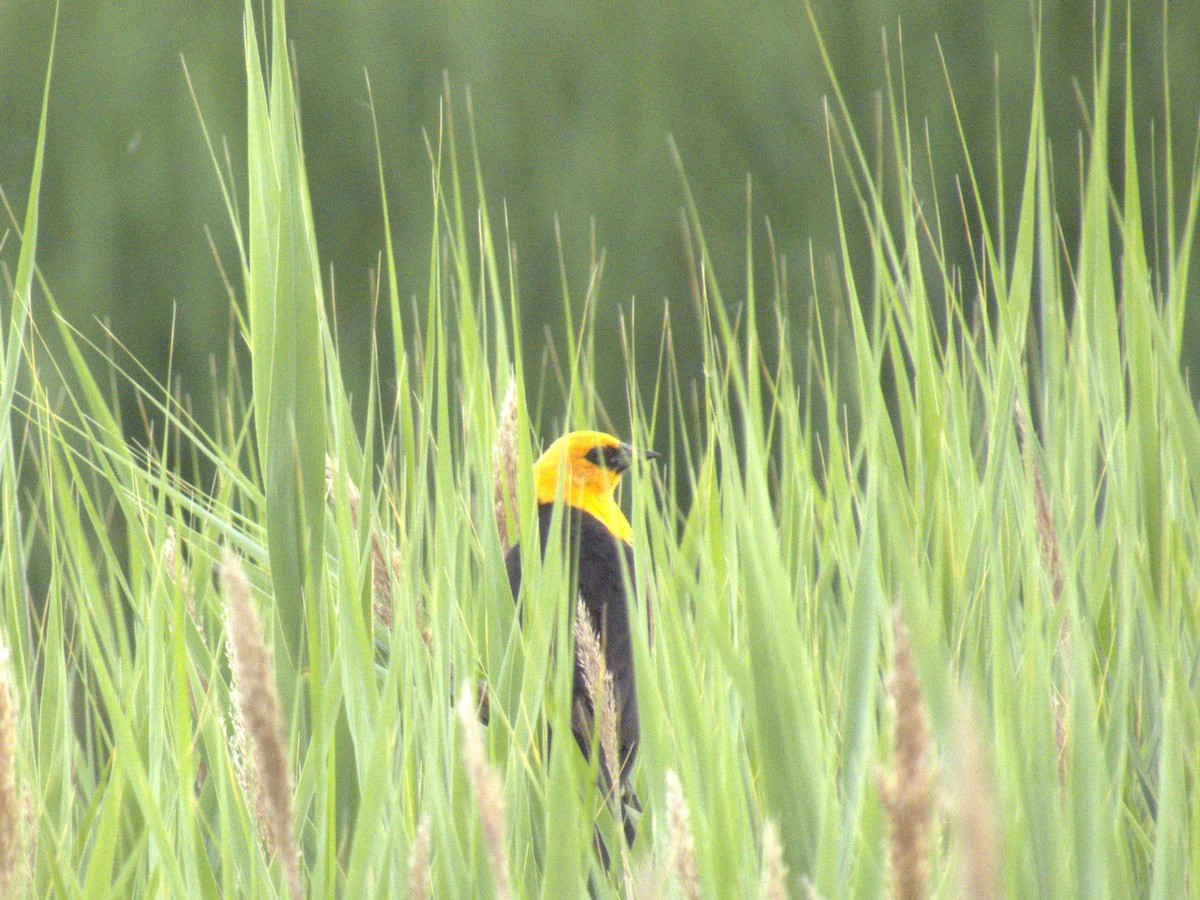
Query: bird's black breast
x: 596, y: 555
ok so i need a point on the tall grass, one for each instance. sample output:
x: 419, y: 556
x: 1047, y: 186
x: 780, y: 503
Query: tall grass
x: 1022, y: 496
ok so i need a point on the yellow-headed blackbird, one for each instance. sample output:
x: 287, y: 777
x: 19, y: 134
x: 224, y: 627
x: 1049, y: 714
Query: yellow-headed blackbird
x: 597, y: 536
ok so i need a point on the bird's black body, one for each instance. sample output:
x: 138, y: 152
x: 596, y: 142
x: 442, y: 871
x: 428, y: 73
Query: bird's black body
x: 596, y: 556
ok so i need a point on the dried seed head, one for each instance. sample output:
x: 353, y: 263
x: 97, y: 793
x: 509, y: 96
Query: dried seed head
x: 397, y: 565
x: 646, y: 879
x: 598, y: 682
x: 485, y: 785
x: 1049, y: 548
x: 504, y: 466
x: 245, y: 767
x: 974, y: 808
x: 1059, y: 704
x: 261, y: 719
x: 907, y: 790
x: 418, y: 859
x: 381, y: 581
x: 12, y: 805
x: 683, y: 847
x: 1047, y: 536
x: 353, y: 497
x: 29, y: 815
x: 170, y: 559
x: 774, y: 870
x: 381, y: 585
x: 178, y: 575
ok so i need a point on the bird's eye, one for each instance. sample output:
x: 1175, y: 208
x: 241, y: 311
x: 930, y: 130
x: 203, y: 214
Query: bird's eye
x: 612, y: 459
x: 596, y: 457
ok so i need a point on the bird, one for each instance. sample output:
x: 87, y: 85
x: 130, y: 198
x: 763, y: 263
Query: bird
x: 581, y: 470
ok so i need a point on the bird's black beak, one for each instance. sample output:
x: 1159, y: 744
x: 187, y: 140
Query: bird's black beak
x: 629, y: 453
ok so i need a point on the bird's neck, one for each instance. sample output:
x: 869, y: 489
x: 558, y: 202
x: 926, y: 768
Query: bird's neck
x: 603, y: 506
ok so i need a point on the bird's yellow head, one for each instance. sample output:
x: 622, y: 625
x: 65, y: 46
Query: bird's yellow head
x: 590, y: 464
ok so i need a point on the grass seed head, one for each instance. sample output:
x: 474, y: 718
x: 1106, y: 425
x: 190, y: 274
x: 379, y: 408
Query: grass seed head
x: 504, y: 465
x: 419, y: 854
x: 485, y: 786
x: 353, y: 497
x: 974, y: 809
x: 598, y: 682
x: 774, y: 870
x: 381, y: 581
x: 12, y: 805
x: 1047, y: 535
x: 1051, y: 554
x: 179, y: 575
x: 683, y: 846
x: 261, y: 719
x: 907, y: 790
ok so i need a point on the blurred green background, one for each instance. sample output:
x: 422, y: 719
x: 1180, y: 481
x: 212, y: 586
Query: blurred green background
x: 573, y: 105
